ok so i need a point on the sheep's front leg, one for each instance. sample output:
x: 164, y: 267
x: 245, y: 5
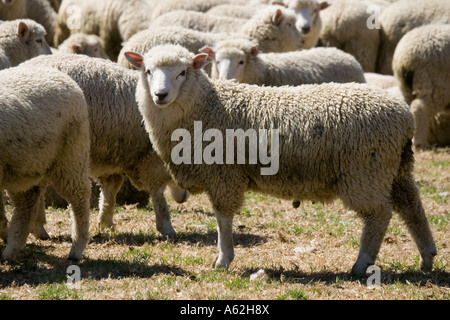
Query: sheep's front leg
x: 109, y: 187
x: 162, y: 215
x: 422, y: 116
x: 3, y: 219
x: 225, y: 244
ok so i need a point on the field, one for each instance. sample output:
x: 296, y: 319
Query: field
x: 305, y: 253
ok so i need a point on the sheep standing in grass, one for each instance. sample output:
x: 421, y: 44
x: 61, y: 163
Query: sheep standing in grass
x: 114, y: 21
x: 350, y: 141
x: 345, y: 26
x: 81, y: 43
x: 21, y: 40
x: 421, y: 66
x: 403, y: 16
x: 239, y: 59
x: 119, y: 143
x: 13, y: 9
x: 44, y: 138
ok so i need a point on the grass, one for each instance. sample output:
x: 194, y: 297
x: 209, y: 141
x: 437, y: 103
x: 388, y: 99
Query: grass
x: 134, y: 262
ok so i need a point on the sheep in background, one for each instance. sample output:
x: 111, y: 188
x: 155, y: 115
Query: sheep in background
x: 44, y: 138
x: 239, y: 59
x: 235, y: 10
x: 119, y: 143
x: 350, y: 141
x: 273, y: 30
x: 421, y: 66
x: 114, y: 21
x: 81, y: 43
x: 43, y: 12
x: 309, y: 22
x: 344, y: 26
x: 13, y: 9
x: 402, y: 16
x: 21, y: 40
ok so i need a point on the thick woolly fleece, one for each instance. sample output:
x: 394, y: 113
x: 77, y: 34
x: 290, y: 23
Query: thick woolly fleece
x: 44, y: 138
x: 21, y: 40
x: 350, y: 141
x: 119, y: 142
x: 316, y: 65
x: 421, y: 66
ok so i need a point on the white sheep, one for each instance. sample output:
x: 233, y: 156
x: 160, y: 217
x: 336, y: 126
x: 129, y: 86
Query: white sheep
x: 421, y: 66
x: 309, y: 22
x: 239, y: 59
x: 345, y: 26
x: 402, y: 16
x: 81, y: 43
x: 44, y: 130
x: 236, y: 10
x: 21, y: 40
x: 351, y: 141
x: 119, y: 143
x: 42, y: 12
x: 13, y: 9
x: 114, y: 21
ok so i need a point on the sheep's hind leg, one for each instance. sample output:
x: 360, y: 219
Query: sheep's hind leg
x: 3, y: 219
x: 38, y: 229
x: 109, y: 187
x: 25, y: 208
x: 225, y: 244
x: 375, y: 225
x: 163, y: 221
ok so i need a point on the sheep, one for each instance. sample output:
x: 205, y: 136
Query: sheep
x: 21, y: 40
x: 344, y: 26
x: 235, y: 10
x: 44, y: 138
x: 308, y: 22
x: 422, y: 68
x: 13, y: 9
x: 402, y: 16
x: 42, y: 12
x: 114, y: 21
x: 351, y: 141
x: 239, y: 59
x: 81, y: 43
x: 119, y: 143
x: 381, y: 80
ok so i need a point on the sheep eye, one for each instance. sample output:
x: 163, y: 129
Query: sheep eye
x: 148, y: 72
x: 182, y: 74
x: 241, y: 62
x: 39, y: 41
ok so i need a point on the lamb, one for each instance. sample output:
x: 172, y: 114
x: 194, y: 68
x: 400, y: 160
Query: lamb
x: 114, y: 21
x: 81, y: 43
x: 351, y: 141
x: 239, y: 59
x: 119, y: 143
x: 21, y: 40
x: 308, y: 22
x: 344, y: 26
x: 402, y: 16
x: 422, y: 67
x: 13, y: 9
x: 44, y: 138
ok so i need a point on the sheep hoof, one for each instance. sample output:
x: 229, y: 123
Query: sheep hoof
x: 40, y: 233
x: 296, y: 204
x: 9, y: 254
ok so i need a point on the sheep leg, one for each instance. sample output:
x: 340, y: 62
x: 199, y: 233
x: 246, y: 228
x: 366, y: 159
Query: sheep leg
x: 422, y: 116
x: 110, y: 186
x: 409, y: 206
x: 163, y: 223
x: 25, y: 207
x: 225, y: 244
x: 3, y: 219
x: 375, y: 225
x: 38, y: 229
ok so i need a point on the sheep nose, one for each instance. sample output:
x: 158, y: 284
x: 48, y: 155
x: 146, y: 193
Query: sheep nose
x: 306, y: 29
x: 161, y: 95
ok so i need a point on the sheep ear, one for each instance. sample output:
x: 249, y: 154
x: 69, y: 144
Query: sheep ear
x: 323, y: 5
x: 76, y: 48
x: 23, y: 31
x: 278, y: 3
x: 276, y: 18
x: 254, y: 51
x: 135, y: 59
x: 200, y: 61
x: 210, y: 52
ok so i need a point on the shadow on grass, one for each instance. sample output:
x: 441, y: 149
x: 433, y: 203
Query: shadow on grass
x: 388, y: 277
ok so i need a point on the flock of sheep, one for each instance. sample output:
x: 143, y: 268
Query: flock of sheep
x: 351, y: 86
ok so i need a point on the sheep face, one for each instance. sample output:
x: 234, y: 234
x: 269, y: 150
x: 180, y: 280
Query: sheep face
x: 33, y: 39
x: 165, y: 73
x: 91, y: 46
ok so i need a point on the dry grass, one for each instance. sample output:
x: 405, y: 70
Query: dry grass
x: 306, y: 253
